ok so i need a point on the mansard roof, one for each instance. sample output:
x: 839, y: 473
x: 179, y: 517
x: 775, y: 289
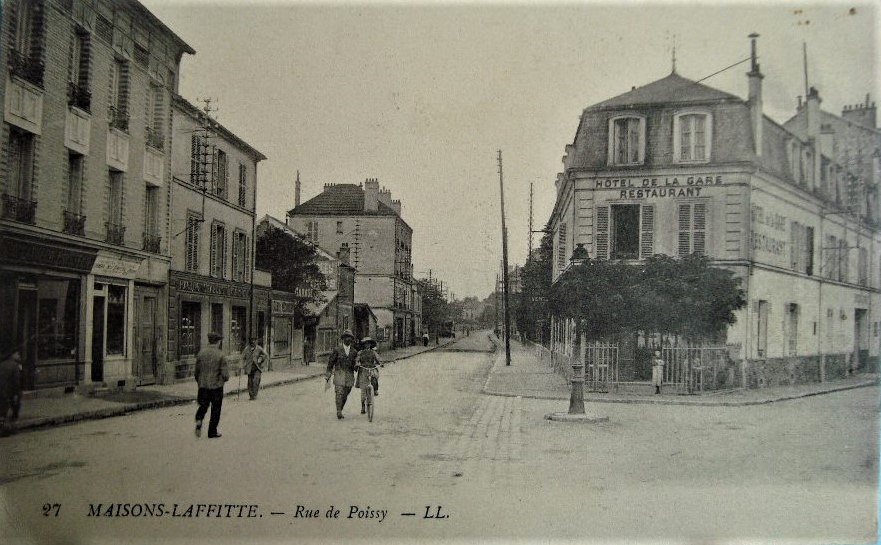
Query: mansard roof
x: 340, y: 200
x: 672, y: 89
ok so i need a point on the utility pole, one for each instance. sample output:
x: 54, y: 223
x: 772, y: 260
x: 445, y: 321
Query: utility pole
x: 529, y: 253
x: 505, y: 265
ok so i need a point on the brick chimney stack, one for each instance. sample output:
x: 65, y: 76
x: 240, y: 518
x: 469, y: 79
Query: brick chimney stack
x: 344, y: 253
x: 755, y: 96
x: 863, y: 114
x: 371, y: 195
x: 396, y: 206
x: 297, y: 191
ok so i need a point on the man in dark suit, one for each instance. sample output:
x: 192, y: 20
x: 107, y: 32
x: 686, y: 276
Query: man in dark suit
x: 212, y: 371
x: 341, y: 365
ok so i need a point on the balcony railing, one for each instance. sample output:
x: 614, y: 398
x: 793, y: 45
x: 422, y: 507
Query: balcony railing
x: 79, y: 97
x: 151, y: 243
x: 74, y: 224
x: 118, y: 118
x: 17, y: 209
x: 27, y: 68
x: 115, y: 233
x: 155, y: 139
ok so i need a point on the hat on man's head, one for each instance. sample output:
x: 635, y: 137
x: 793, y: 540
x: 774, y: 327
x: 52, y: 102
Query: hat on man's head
x: 214, y: 336
x: 347, y: 333
x: 367, y: 341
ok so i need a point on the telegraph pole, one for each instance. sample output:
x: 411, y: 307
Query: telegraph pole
x: 505, y: 266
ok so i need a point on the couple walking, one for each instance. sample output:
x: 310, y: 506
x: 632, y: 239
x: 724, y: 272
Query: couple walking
x: 342, y: 363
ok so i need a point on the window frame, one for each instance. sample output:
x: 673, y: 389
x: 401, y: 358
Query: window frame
x: 692, y: 230
x: 677, y: 136
x: 613, y: 139
x: 192, y: 241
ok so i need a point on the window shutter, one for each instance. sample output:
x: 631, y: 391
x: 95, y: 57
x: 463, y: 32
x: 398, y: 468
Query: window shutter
x: 684, y: 229
x: 699, y: 226
x: 247, y: 263
x: 794, y: 246
x: 601, y: 234
x: 236, y: 258
x: 195, y: 153
x: 213, y: 257
x: 647, y: 232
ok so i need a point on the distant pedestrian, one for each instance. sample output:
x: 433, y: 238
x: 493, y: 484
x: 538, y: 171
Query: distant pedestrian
x: 254, y: 360
x: 425, y: 339
x: 10, y: 392
x: 212, y: 371
x: 306, y: 355
x: 367, y: 359
x: 341, y: 366
x: 657, y: 371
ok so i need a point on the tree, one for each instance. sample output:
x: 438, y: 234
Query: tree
x: 435, y: 308
x: 291, y: 261
x: 684, y: 296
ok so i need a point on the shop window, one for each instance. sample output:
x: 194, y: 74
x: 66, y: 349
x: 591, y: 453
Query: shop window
x: 281, y: 336
x: 190, y: 328
x: 692, y: 137
x: 217, y: 318
x: 626, y: 140
x: 238, y: 328
x: 57, y: 319
x: 116, y: 306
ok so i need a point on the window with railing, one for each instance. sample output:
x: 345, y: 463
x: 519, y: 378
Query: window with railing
x: 152, y: 239
x: 154, y: 116
x: 118, y: 115
x: 115, y: 228
x: 17, y: 203
x: 24, y: 56
x: 78, y: 93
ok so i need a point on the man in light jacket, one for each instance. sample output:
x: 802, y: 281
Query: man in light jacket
x: 212, y: 371
x: 341, y: 364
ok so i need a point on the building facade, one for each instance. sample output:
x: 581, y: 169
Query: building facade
x: 84, y: 231
x: 369, y: 222
x: 214, y: 189
x: 677, y: 167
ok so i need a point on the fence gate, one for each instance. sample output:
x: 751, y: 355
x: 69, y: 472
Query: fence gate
x: 600, y: 366
x: 695, y: 369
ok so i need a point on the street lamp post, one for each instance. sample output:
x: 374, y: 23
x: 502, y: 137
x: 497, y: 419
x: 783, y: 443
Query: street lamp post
x: 576, y: 397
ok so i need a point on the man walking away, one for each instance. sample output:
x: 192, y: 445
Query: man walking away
x: 212, y: 371
x: 10, y: 392
x: 341, y: 364
x: 254, y: 361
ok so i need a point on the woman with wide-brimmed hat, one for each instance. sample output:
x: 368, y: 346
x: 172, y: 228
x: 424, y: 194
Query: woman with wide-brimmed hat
x: 341, y: 366
x: 367, y: 359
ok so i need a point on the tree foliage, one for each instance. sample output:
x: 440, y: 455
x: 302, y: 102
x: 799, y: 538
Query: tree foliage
x: 292, y: 262
x: 531, y: 310
x: 684, y: 296
x: 435, y: 308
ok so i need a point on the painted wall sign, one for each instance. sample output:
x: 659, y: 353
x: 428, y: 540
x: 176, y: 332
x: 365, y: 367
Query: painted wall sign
x: 207, y: 287
x: 109, y: 265
x: 283, y: 307
x: 667, y: 181
x: 45, y: 255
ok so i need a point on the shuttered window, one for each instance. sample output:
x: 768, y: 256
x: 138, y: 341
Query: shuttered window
x: 243, y: 185
x: 240, y: 257
x: 601, y: 237
x: 217, y: 259
x: 562, y: 237
x: 192, y: 243
x: 647, y: 232
x: 692, y: 228
x: 221, y: 173
x: 198, y: 165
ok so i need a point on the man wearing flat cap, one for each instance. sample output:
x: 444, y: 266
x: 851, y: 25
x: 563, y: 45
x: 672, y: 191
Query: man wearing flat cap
x: 212, y: 370
x: 341, y: 365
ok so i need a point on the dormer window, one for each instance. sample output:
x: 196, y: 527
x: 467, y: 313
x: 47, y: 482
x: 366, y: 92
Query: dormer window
x: 627, y: 140
x: 692, y: 137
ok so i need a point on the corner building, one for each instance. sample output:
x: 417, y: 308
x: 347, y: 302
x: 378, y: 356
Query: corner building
x: 84, y: 177
x: 211, y: 288
x: 677, y: 167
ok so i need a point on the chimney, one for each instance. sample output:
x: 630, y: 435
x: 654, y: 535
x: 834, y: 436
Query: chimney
x: 343, y: 254
x: 755, y: 96
x: 863, y: 114
x: 385, y: 197
x: 396, y: 206
x: 371, y: 195
x: 297, y: 191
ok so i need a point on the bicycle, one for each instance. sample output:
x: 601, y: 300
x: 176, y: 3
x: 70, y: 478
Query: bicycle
x: 372, y: 373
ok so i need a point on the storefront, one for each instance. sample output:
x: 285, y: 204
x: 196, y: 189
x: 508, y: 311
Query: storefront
x: 287, y: 331
x: 41, y: 292
x: 197, y: 306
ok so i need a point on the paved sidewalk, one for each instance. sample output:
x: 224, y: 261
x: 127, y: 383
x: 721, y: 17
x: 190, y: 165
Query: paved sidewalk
x: 49, y: 411
x: 527, y: 377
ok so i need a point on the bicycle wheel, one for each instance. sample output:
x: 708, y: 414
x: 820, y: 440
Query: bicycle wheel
x: 369, y: 403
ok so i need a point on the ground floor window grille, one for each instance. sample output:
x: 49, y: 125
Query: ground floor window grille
x: 190, y: 328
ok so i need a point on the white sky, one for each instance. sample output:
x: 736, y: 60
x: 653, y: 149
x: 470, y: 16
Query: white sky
x: 422, y: 96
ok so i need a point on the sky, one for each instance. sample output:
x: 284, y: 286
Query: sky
x: 423, y: 96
